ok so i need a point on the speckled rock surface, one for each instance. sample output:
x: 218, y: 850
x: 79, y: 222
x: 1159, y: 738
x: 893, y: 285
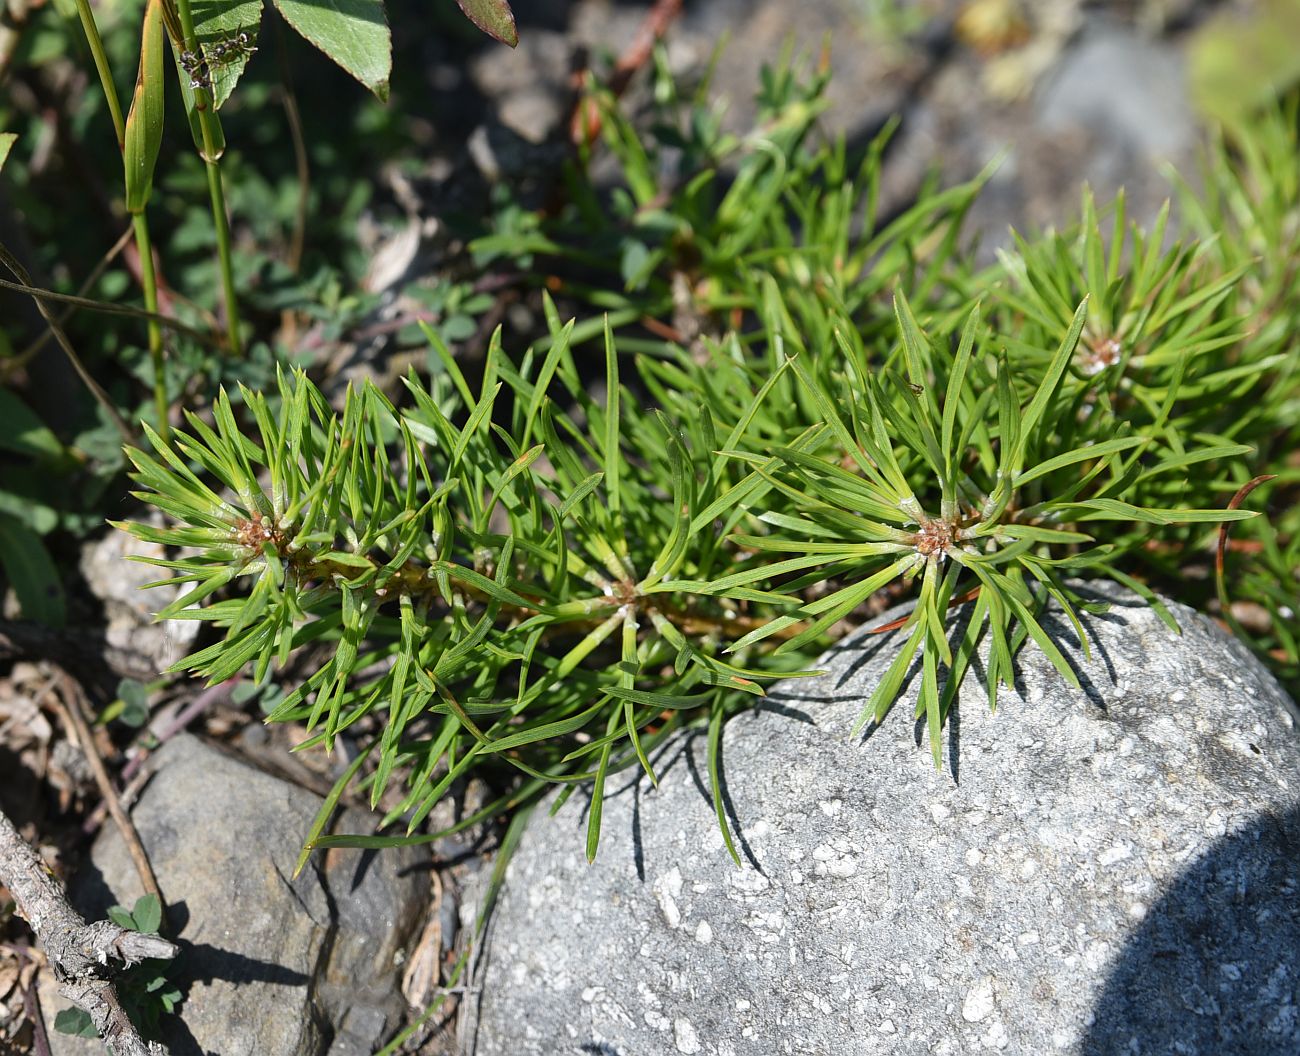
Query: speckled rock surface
x: 1099, y: 872
x: 269, y: 964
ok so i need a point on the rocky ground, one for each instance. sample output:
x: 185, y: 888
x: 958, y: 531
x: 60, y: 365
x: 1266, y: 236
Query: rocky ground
x: 1100, y: 870
x: 1062, y: 91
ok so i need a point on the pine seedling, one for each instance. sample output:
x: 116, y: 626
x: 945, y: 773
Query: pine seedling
x: 977, y: 492
x: 552, y: 571
x: 534, y: 577
x: 1248, y: 211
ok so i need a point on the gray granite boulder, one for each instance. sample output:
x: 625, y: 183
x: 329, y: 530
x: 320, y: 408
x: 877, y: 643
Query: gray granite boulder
x: 1095, y: 872
x: 269, y: 964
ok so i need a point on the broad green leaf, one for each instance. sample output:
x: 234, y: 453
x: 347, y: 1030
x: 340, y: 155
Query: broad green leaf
x: 24, y: 433
x: 147, y: 912
x: 354, y: 33
x: 134, y: 697
x: 493, y: 17
x: 31, y: 572
x: 28, y: 508
x: 144, y: 123
x: 76, y: 1022
x: 219, y: 25
x: 7, y: 140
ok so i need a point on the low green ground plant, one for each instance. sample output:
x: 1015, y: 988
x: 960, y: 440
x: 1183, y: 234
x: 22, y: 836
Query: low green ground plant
x: 780, y: 407
x: 145, y: 989
x: 161, y: 234
x: 625, y: 528
x: 762, y: 407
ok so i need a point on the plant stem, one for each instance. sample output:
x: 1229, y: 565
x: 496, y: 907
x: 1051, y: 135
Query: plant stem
x: 107, y: 308
x: 143, y: 243
x: 149, y: 282
x: 203, y: 104
x: 105, y: 74
x: 222, y: 228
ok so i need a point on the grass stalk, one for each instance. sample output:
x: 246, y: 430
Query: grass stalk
x: 93, y: 38
x: 149, y: 283
x: 140, y: 226
x: 203, y: 104
x: 221, y: 226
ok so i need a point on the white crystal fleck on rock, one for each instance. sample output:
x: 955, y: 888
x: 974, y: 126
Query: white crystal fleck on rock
x: 684, y: 1036
x: 979, y: 1000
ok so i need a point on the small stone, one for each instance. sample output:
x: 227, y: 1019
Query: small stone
x: 1113, y: 855
x: 667, y: 888
x: 133, y: 639
x: 996, y: 1036
x: 269, y: 963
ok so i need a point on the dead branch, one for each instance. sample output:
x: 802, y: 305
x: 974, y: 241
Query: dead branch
x: 85, y: 957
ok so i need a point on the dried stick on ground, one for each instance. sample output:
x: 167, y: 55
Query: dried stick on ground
x: 74, y: 708
x: 84, y: 956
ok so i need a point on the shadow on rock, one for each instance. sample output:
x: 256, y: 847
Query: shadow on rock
x: 1215, y: 966
x: 200, y: 962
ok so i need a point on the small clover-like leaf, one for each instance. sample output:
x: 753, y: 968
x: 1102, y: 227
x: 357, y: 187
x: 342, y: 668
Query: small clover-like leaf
x: 76, y: 1022
x: 147, y: 913
x: 135, y: 702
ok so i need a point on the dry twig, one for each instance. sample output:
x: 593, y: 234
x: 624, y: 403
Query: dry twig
x: 75, y: 708
x: 85, y: 957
